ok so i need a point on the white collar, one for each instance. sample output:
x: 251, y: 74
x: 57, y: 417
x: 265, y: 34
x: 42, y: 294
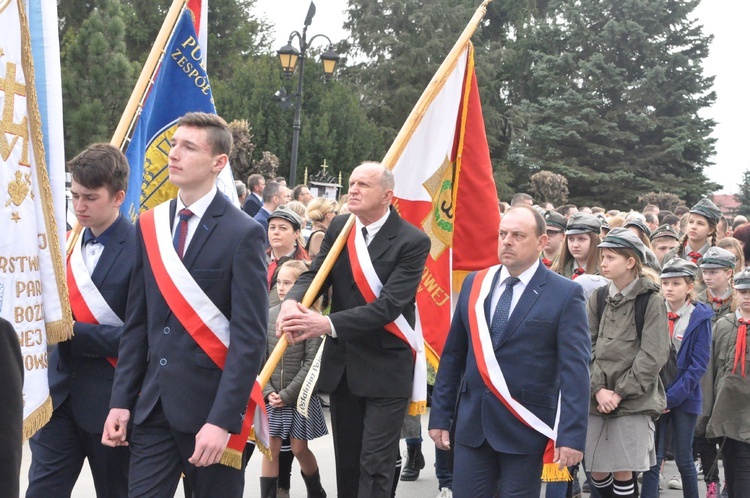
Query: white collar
x: 198, y: 208
x: 373, y: 228
x: 524, y: 277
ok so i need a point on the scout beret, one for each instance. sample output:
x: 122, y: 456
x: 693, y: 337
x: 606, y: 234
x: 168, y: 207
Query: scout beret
x: 287, y: 214
x: 742, y: 279
x: 665, y: 230
x: 583, y: 223
x: 637, y: 222
x: 716, y: 257
x: 708, y: 210
x: 678, y: 267
x: 555, y: 220
x: 622, y: 238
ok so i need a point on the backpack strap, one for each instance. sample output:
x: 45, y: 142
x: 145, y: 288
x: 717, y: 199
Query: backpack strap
x: 641, y: 303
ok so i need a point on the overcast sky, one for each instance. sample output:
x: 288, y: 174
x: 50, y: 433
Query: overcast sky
x: 726, y: 20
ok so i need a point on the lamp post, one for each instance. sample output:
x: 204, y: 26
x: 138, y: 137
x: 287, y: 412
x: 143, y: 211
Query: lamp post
x: 290, y: 57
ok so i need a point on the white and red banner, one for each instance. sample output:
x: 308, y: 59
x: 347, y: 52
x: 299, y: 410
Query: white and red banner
x: 444, y: 185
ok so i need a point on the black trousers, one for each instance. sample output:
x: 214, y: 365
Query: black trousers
x: 737, y: 467
x: 159, y: 455
x: 58, y: 451
x: 366, y: 433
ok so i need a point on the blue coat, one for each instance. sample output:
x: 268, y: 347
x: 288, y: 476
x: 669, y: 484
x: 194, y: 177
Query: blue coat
x: 547, y: 349
x: 684, y: 392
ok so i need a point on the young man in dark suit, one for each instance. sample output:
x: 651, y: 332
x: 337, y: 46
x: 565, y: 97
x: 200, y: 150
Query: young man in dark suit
x: 538, y: 339
x: 195, y: 329
x: 81, y: 370
x: 367, y: 370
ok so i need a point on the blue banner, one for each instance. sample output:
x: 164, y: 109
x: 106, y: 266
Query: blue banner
x: 181, y: 86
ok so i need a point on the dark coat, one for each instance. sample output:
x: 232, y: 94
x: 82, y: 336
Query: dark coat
x: 79, y: 368
x: 11, y: 409
x: 546, y: 350
x: 159, y: 360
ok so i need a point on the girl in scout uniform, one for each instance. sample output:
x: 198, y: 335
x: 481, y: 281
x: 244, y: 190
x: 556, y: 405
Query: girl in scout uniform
x: 281, y: 394
x: 690, y: 333
x: 717, y: 266
x: 639, y: 227
x: 626, y: 392
x: 579, y: 253
x: 700, y: 235
x: 729, y: 418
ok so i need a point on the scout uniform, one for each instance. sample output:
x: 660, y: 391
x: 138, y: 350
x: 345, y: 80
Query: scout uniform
x: 577, y: 224
x: 729, y: 416
x: 708, y: 210
x: 716, y: 257
x: 555, y: 222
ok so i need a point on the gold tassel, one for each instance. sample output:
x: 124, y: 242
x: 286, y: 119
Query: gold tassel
x: 417, y: 407
x: 551, y: 473
x: 59, y: 331
x: 232, y: 458
x: 37, y: 419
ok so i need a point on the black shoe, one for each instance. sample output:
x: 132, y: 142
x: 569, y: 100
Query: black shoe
x: 414, y: 463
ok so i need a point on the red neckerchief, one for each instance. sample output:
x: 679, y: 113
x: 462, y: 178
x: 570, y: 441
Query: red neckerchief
x: 578, y: 272
x: 695, y: 256
x: 547, y: 262
x: 740, y: 351
x: 673, y: 317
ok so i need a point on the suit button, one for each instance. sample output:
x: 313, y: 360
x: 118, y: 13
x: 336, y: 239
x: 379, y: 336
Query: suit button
x: 74, y: 374
x: 166, y: 330
x: 487, y: 391
x: 163, y: 362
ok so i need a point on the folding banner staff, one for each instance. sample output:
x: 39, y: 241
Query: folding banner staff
x: 390, y: 160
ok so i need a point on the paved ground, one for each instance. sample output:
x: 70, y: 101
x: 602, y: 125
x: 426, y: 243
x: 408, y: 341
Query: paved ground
x: 424, y: 487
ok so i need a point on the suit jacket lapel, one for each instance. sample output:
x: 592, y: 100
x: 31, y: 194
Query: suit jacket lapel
x: 384, y: 238
x: 110, y: 251
x: 206, y: 225
x: 491, y: 297
x: 532, y: 292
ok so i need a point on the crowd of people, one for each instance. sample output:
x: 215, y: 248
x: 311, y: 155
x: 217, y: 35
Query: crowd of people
x: 603, y: 343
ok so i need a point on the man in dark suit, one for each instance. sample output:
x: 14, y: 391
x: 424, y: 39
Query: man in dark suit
x: 81, y: 369
x: 11, y: 409
x: 538, y: 339
x: 274, y: 195
x: 366, y: 369
x: 255, y: 185
x: 195, y: 329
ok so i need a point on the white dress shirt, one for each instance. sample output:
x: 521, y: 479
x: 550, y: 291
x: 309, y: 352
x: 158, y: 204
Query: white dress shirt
x: 518, y: 289
x: 198, y: 208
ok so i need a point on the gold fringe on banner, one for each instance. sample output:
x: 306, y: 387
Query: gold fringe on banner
x: 417, y: 407
x: 232, y: 458
x: 58, y: 331
x: 37, y: 419
x: 551, y: 473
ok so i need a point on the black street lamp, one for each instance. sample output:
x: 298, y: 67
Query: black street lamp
x: 290, y: 58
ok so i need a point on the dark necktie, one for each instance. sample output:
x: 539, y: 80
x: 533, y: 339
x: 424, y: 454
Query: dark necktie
x: 673, y: 317
x: 364, y: 234
x: 502, y: 312
x: 180, y: 235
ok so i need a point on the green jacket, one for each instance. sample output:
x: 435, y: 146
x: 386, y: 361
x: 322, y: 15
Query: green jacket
x: 729, y: 415
x: 290, y: 373
x: 622, y: 363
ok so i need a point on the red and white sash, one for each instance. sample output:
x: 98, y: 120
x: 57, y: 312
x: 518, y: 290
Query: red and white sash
x: 492, y: 374
x: 205, y: 323
x: 370, y: 286
x: 86, y: 302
